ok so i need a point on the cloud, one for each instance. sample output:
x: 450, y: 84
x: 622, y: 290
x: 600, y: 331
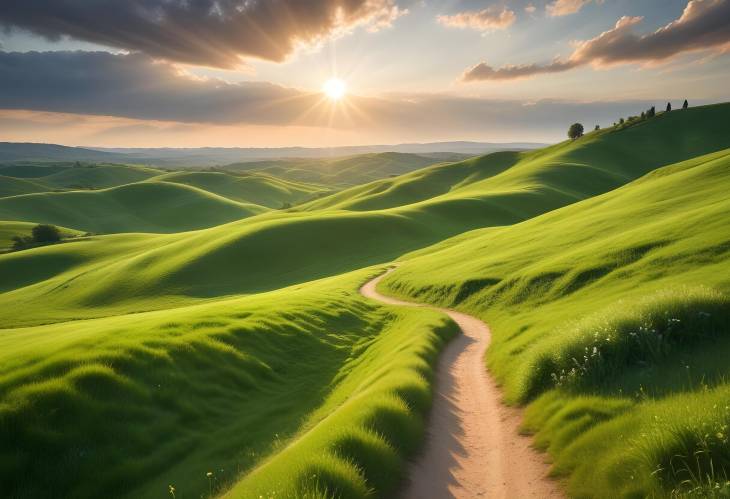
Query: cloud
x: 136, y: 86
x: 513, y: 72
x: 565, y: 7
x: 703, y: 25
x: 218, y: 33
x: 491, y: 18
x: 98, y: 98
x: 530, y: 8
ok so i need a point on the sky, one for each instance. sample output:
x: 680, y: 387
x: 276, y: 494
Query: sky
x: 251, y: 73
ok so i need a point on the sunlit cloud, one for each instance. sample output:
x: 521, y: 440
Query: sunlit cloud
x: 703, y: 26
x: 491, y: 18
x: 558, y: 8
x: 216, y: 33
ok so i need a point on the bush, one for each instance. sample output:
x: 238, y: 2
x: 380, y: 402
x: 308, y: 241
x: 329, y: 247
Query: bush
x: 41, y: 234
x: 575, y: 131
x: 44, y: 233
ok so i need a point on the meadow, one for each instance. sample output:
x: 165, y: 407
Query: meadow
x: 201, y: 334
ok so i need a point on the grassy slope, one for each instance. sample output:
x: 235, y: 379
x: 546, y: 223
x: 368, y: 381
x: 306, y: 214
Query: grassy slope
x: 10, y: 229
x: 141, y: 207
x: 215, y: 385
x: 99, y: 176
x: 313, y: 380
x: 258, y: 189
x: 537, y: 181
x: 10, y: 186
x: 590, y: 276
x: 344, y: 171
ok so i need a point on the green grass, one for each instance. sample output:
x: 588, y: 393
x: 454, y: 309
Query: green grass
x: 140, y: 207
x: 206, y: 333
x: 340, y: 171
x: 98, y: 176
x: 597, y: 309
x: 10, y: 186
x: 259, y: 189
x: 311, y: 380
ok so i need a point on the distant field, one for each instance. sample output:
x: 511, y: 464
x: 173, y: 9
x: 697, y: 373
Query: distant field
x: 345, y: 171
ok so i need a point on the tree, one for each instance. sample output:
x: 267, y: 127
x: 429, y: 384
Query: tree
x: 685, y: 105
x: 643, y: 115
x: 575, y: 131
x: 621, y: 121
x: 44, y: 233
x: 651, y: 112
x: 598, y: 127
x: 669, y: 106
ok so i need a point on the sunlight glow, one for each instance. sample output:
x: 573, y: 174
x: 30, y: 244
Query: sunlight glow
x: 335, y: 89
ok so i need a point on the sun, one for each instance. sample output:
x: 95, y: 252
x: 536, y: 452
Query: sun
x: 335, y: 89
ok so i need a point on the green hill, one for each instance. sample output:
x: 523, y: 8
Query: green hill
x: 343, y: 171
x: 614, y: 312
x: 10, y: 186
x: 99, y: 176
x: 553, y: 176
x: 242, y: 348
x: 258, y: 189
x: 308, y: 380
x: 8, y: 230
x: 31, y: 169
x: 141, y: 207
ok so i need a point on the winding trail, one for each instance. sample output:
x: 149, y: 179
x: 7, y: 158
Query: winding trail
x: 473, y: 448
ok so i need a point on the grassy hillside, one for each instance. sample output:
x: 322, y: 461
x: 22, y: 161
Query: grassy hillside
x: 313, y: 387
x: 242, y: 348
x: 613, y: 316
x: 343, y: 171
x: 10, y: 229
x: 10, y: 186
x: 30, y: 169
x: 99, y: 176
x: 260, y: 189
x: 141, y: 207
x: 551, y: 177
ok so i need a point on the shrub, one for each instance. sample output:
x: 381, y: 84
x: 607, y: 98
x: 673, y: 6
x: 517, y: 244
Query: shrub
x: 44, y: 233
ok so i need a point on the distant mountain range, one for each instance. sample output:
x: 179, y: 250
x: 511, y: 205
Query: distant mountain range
x: 212, y: 156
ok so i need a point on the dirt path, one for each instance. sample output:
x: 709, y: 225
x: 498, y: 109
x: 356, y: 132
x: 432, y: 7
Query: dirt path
x: 473, y: 447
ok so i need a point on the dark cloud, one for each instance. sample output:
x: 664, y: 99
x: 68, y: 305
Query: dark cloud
x: 512, y: 72
x: 704, y: 24
x: 203, y: 32
x: 136, y: 86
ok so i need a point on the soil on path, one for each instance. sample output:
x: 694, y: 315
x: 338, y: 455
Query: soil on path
x: 473, y: 447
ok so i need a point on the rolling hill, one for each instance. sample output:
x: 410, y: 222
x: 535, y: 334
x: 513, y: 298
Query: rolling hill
x: 239, y: 360
x: 575, y: 299
x: 260, y: 189
x: 8, y: 230
x: 99, y: 176
x: 140, y: 207
x: 10, y: 186
x: 347, y: 171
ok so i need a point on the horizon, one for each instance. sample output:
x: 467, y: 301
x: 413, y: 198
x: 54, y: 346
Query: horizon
x: 349, y: 74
